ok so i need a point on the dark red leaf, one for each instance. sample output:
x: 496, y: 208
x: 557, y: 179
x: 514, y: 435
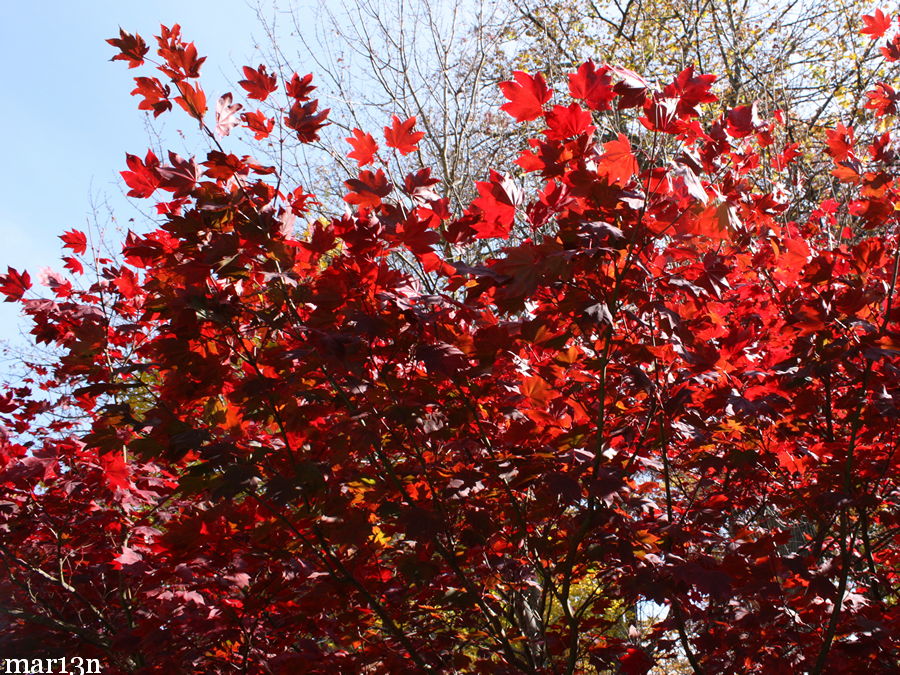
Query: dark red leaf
x: 13, y: 284
x: 258, y: 83
x: 132, y: 48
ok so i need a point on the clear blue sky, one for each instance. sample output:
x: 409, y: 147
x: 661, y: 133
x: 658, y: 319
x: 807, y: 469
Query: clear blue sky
x: 67, y: 117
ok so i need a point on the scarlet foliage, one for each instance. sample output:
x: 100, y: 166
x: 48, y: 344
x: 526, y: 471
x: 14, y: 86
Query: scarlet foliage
x: 669, y: 387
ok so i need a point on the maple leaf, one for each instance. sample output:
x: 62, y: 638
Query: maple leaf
x: 717, y: 221
x: 417, y: 236
x: 420, y: 186
x: 258, y: 83
x: 304, y: 119
x: 882, y: 99
x: 687, y: 180
x: 401, y: 136
x: 617, y: 163
x: 258, y: 123
x: 181, y: 59
x: 881, y: 149
x: 876, y: 24
x: 661, y: 115
x: 840, y: 142
x: 143, y: 177
x: 13, y: 284
x: 537, y: 390
x: 635, y: 661
x: 691, y: 91
x: 527, y: 95
x: 744, y: 120
x: 75, y: 240
x: 73, y: 265
x: 221, y: 166
x: 301, y: 201
x: 368, y: 189
x: 891, y: 49
x: 192, y: 100
x: 787, y: 157
x: 180, y: 176
x: 128, y: 556
x: 497, y: 203
x: 127, y: 283
x: 226, y: 115
x: 593, y: 86
x: 132, y: 48
x: 364, y: 147
x: 299, y: 88
x: 156, y: 95
x: 566, y: 121
x: 631, y: 88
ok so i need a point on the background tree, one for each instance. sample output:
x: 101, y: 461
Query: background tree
x: 442, y: 64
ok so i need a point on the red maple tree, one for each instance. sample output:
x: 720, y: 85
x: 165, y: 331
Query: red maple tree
x: 672, y: 385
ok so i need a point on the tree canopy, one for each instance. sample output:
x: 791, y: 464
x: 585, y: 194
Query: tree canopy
x: 651, y: 424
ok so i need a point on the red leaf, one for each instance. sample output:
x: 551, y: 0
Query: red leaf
x: 75, y: 240
x: 691, y: 91
x: 566, y: 121
x: 527, y: 96
x: 537, y: 390
x: 132, y: 48
x: 786, y: 158
x: 220, y: 166
x: 181, y: 177
x: 143, y: 178
x: 617, y: 163
x: 401, y: 136
x: 891, y: 49
x: 127, y: 283
x: 305, y: 121
x: 192, y: 100
x: 259, y: 124
x: 368, y: 189
x: 882, y: 99
x: 592, y: 86
x: 635, y: 662
x: 631, y: 88
x: 300, y: 88
x: 259, y: 84
x: 115, y: 470
x: 840, y: 142
x: 716, y: 221
x: 877, y: 24
x: 364, y: 147
x: 156, y: 95
x: 744, y: 120
x: 661, y: 115
x: 181, y: 60
x: 420, y: 185
x: 687, y: 181
x: 301, y: 201
x: 73, y: 265
x: 13, y: 284
x: 497, y: 203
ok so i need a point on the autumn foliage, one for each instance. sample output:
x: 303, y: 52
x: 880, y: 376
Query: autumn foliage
x: 269, y: 443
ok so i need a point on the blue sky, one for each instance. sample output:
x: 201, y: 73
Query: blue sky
x: 68, y: 119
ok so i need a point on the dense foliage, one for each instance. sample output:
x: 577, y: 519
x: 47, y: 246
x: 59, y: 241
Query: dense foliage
x: 272, y: 443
